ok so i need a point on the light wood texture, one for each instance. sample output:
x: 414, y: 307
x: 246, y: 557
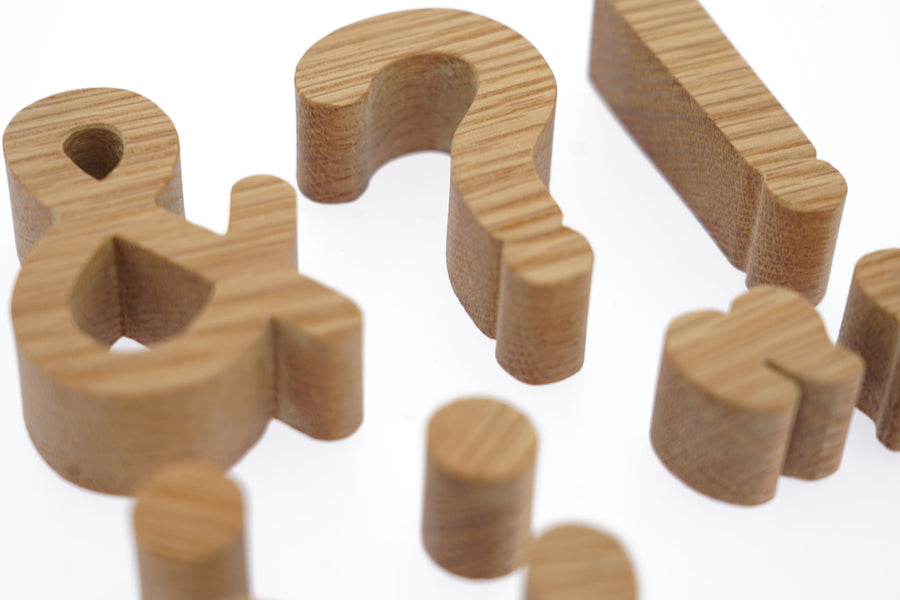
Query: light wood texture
x: 479, y: 480
x: 455, y: 81
x: 237, y: 335
x: 189, y: 532
x: 574, y: 562
x: 724, y: 142
x: 871, y: 327
x: 744, y: 397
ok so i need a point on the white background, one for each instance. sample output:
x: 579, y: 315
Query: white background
x: 340, y: 520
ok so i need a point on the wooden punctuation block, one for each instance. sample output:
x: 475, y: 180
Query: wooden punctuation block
x: 871, y: 327
x: 574, y: 562
x: 745, y: 397
x: 479, y: 481
x: 237, y: 335
x: 454, y: 81
x: 189, y: 532
x: 724, y: 142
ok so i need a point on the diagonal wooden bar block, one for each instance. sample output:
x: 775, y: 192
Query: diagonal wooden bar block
x: 459, y: 82
x: 745, y: 397
x: 726, y: 145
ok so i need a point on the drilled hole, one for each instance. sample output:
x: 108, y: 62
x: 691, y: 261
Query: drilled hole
x: 96, y: 150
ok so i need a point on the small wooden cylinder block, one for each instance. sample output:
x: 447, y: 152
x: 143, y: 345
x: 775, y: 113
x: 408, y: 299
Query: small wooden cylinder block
x: 479, y: 480
x: 573, y: 562
x: 189, y: 530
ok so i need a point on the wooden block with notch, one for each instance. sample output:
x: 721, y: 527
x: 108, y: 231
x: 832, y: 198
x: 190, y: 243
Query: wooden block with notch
x: 237, y: 336
x: 871, y: 326
x: 747, y: 396
x: 454, y: 81
x: 724, y: 142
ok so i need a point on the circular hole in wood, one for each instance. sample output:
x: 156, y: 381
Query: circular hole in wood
x: 96, y: 150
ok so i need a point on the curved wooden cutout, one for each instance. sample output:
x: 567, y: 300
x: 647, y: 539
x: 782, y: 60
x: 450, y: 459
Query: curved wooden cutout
x: 452, y: 80
x: 724, y: 142
x: 744, y: 397
x: 479, y: 482
x: 871, y: 326
x: 189, y: 533
x: 574, y: 562
x: 238, y: 336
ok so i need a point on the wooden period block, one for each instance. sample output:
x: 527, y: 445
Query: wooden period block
x: 724, y: 142
x: 459, y: 82
x: 479, y: 480
x: 871, y: 326
x: 574, y: 562
x: 744, y: 397
x: 189, y: 533
x: 237, y: 335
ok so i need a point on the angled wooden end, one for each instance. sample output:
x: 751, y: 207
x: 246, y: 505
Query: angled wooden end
x: 574, y: 562
x: 479, y: 481
x: 458, y: 82
x: 745, y: 397
x: 724, y: 142
x: 871, y: 326
x: 237, y: 336
x: 189, y: 533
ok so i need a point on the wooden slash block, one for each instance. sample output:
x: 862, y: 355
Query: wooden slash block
x: 747, y: 396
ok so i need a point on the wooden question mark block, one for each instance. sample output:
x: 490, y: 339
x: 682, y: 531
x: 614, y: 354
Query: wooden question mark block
x: 237, y: 335
x: 745, y: 397
x: 735, y: 156
x: 871, y: 326
x: 454, y: 81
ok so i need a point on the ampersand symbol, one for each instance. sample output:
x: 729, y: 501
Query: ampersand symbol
x: 237, y: 335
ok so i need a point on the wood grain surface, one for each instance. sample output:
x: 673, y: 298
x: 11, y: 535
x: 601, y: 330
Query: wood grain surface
x: 745, y: 397
x: 479, y: 481
x: 237, y: 335
x: 575, y: 562
x: 189, y: 533
x: 871, y: 326
x: 455, y: 81
x: 727, y: 146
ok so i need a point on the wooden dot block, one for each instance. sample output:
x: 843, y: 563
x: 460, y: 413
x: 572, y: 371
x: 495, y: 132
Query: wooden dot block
x: 479, y: 480
x: 871, y: 326
x: 744, y: 397
x: 735, y: 156
x: 459, y: 82
x: 573, y: 562
x: 189, y: 531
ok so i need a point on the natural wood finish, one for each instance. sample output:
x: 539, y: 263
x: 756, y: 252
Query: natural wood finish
x: 871, y: 327
x: 744, y: 397
x: 479, y: 479
x: 454, y: 81
x: 573, y: 562
x: 189, y: 532
x: 725, y: 143
x: 237, y: 335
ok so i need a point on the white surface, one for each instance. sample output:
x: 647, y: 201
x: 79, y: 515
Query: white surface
x: 340, y: 520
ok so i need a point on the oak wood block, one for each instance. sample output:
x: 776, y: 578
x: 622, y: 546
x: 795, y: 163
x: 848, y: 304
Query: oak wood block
x: 459, y: 82
x: 574, y: 562
x: 479, y: 480
x: 745, y: 397
x: 189, y: 532
x: 871, y: 326
x: 724, y: 142
x: 237, y: 336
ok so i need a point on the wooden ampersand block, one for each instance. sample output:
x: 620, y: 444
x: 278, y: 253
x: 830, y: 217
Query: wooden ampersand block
x: 455, y: 81
x: 724, y: 142
x: 189, y: 532
x: 871, y: 327
x: 479, y: 480
x: 744, y: 397
x: 574, y: 562
x: 237, y: 335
